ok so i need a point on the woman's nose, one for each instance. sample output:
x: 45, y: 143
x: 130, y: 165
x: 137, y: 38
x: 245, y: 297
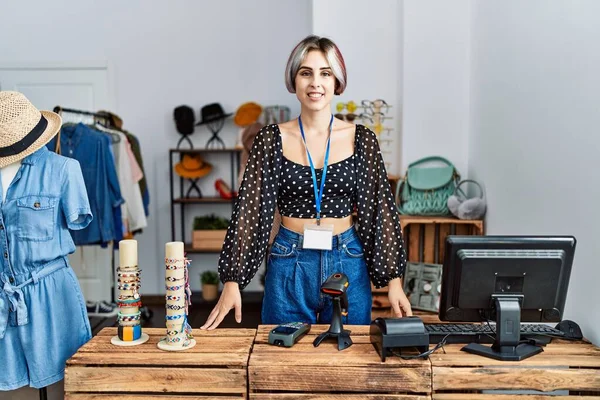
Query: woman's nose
x: 315, y: 82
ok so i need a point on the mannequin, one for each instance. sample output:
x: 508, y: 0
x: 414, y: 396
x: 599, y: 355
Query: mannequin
x: 8, y: 174
x: 43, y: 318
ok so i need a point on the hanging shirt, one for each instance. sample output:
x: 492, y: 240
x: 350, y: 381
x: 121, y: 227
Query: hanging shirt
x: 251, y: 222
x: 133, y: 209
x: 91, y: 149
x: 137, y: 152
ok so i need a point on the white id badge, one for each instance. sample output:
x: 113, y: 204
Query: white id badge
x: 318, y: 237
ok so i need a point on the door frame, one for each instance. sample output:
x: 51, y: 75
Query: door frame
x: 68, y: 65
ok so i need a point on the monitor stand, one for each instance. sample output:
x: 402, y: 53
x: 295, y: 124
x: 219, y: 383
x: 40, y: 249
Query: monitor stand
x: 506, y: 346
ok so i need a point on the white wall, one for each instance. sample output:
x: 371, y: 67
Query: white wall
x: 535, y: 115
x: 436, y: 81
x: 164, y: 54
x: 415, y: 55
x: 372, y: 49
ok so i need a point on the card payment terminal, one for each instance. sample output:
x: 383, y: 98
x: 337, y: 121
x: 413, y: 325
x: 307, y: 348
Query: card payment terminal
x: 287, y: 334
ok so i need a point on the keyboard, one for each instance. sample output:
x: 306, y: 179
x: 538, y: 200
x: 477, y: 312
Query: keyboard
x: 484, y: 333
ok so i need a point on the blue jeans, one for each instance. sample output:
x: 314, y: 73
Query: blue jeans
x: 294, y: 278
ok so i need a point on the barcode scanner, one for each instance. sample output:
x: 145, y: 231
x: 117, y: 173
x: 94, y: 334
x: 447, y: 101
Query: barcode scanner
x: 335, y: 287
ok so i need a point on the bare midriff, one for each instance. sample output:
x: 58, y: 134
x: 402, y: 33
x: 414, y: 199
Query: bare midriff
x: 297, y: 224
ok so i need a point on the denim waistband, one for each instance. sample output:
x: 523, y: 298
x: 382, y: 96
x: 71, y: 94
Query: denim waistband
x: 11, y: 296
x: 338, y: 240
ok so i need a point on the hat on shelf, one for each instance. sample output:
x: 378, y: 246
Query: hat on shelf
x: 184, y: 119
x: 23, y: 128
x: 212, y: 112
x: 192, y: 166
x: 247, y: 114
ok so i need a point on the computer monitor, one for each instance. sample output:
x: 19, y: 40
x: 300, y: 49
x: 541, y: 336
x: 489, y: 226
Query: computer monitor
x: 508, y: 279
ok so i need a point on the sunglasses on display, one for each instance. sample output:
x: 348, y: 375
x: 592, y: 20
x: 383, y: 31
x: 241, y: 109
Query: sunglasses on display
x: 378, y: 128
x: 375, y: 104
x: 350, y: 117
x: 372, y: 116
x: 350, y: 106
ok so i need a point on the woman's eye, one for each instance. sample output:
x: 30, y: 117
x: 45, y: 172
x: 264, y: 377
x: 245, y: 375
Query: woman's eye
x: 305, y: 73
x: 326, y: 74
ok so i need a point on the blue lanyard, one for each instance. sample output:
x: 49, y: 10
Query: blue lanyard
x: 318, y: 192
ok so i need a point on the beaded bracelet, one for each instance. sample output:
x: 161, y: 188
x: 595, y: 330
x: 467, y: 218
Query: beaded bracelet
x: 173, y: 298
x: 137, y: 313
x: 173, y: 267
x: 172, y: 279
x: 175, y: 339
x: 175, y: 260
x: 137, y: 303
x: 128, y: 280
x: 130, y: 283
x: 129, y: 286
x: 129, y: 297
x: 172, y: 317
x: 173, y: 288
x: 173, y: 333
x: 171, y: 261
x: 127, y: 268
x: 128, y: 274
x: 174, y: 307
x: 129, y: 317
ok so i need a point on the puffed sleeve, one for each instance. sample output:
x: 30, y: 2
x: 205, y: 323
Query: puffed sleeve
x: 74, y: 200
x: 378, y: 222
x: 251, y: 221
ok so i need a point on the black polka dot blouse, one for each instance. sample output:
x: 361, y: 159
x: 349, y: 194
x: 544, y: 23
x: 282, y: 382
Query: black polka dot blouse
x: 270, y: 180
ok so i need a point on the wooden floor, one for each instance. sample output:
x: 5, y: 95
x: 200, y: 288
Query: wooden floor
x: 198, y: 313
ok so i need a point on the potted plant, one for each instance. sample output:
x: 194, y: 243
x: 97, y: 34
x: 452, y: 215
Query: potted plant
x: 209, y: 232
x: 210, y: 285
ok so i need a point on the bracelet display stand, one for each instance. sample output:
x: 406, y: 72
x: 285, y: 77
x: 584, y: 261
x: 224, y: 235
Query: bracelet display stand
x: 179, y: 332
x: 129, y: 282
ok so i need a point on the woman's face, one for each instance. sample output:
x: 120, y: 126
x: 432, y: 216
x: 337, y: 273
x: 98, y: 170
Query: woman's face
x: 315, y: 83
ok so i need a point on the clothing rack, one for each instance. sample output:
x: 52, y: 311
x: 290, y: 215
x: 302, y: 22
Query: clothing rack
x: 107, y: 124
x: 146, y: 312
x: 59, y: 109
x: 101, y: 116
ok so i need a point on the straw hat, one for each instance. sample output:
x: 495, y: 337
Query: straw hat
x: 23, y: 128
x: 192, y: 166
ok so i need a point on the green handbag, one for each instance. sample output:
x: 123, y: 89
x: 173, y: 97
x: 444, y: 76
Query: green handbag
x: 425, y: 190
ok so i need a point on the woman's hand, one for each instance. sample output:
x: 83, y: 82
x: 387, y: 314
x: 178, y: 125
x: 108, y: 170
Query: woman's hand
x: 230, y: 298
x: 398, y: 300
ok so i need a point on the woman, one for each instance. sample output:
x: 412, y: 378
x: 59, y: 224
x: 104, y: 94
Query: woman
x: 285, y: 169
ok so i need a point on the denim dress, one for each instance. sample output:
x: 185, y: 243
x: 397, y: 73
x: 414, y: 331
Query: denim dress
x: 43, y: 319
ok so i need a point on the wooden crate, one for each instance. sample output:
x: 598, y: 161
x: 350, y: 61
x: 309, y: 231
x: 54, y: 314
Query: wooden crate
x: 307, y: 372
x: 424, y: 240
x: 208, y: 239
x: 573, y: 366
x: 424, y: 237
x: 216, y: 366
